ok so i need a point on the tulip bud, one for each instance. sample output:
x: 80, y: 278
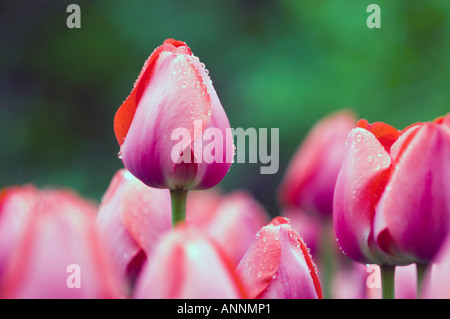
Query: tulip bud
x: 172, y: 99
x: 391, y: 203
x: 52, y: 247
x: 188, y: 265
x: 131, y: 219
x: 278, y: 265
x: 309, y: 181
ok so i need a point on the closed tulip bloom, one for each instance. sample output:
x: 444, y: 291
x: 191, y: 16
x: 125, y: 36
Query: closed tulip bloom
x: 278, y: 265
x: 163, y: 125
x: 131, y: 219
x: 188, y: 265
x: 391, y: 203
x: 56, y: 251
x: 311, y: 175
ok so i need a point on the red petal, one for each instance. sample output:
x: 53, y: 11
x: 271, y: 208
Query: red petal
x: 443, y: 120
x: 308, y: 260
x: 385, y: 133
x: 125, y: 113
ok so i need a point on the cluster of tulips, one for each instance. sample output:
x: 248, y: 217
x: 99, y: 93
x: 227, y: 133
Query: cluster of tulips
x: 364, y: 209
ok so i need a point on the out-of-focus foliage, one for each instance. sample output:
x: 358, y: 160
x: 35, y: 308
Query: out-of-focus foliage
x: 282, y: 64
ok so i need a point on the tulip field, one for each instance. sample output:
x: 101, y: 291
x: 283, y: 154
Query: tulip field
x: 205, y: 160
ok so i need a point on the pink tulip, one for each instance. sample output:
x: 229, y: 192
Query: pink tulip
x: 391, y: 203
x: 50, y: 248
x: 188, y: 265
x: 131, y: 219
x: 232, y: 221
x: 174, y: 92
x: 310, y: 178
x: 278, y: 265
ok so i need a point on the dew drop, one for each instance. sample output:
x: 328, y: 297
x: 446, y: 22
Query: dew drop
x: 358, y: 138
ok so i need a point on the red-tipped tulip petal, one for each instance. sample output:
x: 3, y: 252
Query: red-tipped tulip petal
x: 131, y: 219
x: 278, y: 264
x: 364, y: 173
x: 187, y: 264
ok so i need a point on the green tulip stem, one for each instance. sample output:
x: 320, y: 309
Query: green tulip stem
x: 178, y: 198
x: 387, y: 281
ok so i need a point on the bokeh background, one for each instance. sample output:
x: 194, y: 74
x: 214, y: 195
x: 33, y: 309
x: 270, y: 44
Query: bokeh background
x: 282, y: 64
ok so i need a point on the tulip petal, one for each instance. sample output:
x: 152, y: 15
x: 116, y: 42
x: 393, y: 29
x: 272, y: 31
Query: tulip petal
x: 132, y: 218
x: 363, y: 174
x: 120, y: 245
x: 124, y: 115
x: 278, y: 265
x: 416, y: 198
x: 146, y: 213
x: 186, y: 264
x: 385, y: 133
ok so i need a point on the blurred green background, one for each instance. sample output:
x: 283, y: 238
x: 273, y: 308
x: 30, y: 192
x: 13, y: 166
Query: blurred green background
x: 282, y: 64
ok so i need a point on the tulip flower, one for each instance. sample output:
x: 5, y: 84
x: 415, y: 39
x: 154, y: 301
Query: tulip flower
x: 188, y: 265
x: 391, y: 203
x: 50, y: 248
x: 163, y: 125
x: 311, y: 175
x: 232, y: 221
x: 278, y: 265
x: 131, y: 219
